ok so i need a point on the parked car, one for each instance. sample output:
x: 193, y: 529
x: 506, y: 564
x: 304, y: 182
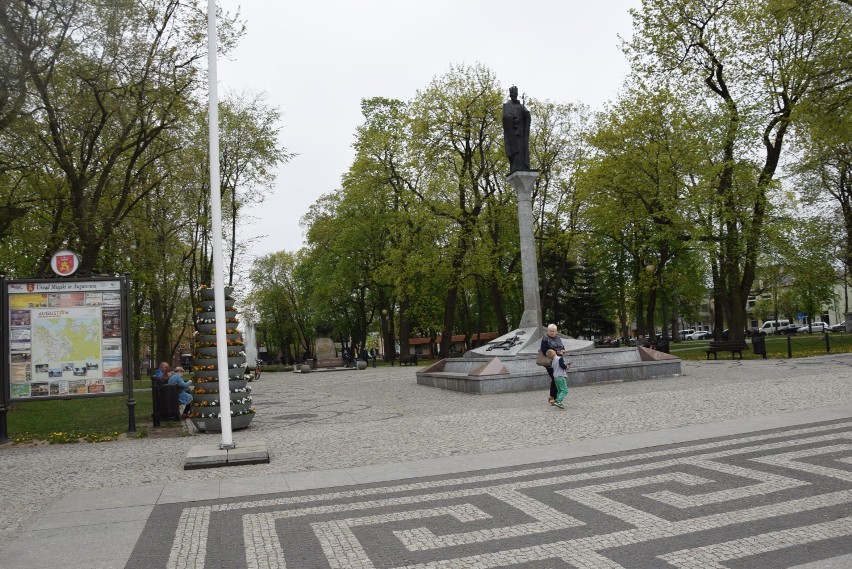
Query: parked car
x: 700, y: 335
x: 839, y: 327
x: 818, y: 327
x: 772, y: 326
x: 789, y: 329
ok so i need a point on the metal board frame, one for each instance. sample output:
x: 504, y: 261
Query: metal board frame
x: 58, y: 299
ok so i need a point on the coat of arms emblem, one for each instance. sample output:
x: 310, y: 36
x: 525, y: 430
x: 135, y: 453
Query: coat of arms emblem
x: 64, y: 263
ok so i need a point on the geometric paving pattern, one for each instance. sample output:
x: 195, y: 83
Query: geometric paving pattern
x: 766, y: 499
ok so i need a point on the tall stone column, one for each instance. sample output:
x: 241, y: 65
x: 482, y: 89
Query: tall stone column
x: 523, y: 181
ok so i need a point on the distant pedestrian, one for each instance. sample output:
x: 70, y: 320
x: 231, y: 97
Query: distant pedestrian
x: 552, y: 341
x: 560, y: 377
x: 374, y: 353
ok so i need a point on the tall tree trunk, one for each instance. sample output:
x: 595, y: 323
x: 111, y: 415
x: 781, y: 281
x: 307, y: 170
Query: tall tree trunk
x: 404, y: 325
x: 499, y: 310
x: 161, y: 329
x: 452, y: 298
x: 449, y: 317
x: 650, y: 312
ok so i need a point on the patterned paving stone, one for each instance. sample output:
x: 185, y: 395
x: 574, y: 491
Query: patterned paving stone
x: 372, y: 418
x: 776, y: 498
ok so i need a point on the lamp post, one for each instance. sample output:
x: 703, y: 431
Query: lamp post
x: 384, y: 329
x: 385, y: 335
x: 652, y: 333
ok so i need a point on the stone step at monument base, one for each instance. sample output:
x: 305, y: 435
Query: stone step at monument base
x: 513, y: 373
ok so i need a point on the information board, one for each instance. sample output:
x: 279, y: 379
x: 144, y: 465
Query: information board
x: 66, y: 338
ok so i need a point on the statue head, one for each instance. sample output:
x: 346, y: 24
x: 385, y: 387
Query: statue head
x: 513, y: 93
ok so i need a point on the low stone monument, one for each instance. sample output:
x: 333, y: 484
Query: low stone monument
x: 326, y: 355
x: 325, y: 349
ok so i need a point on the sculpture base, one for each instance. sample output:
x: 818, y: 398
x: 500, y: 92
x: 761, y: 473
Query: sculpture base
x: 508, y: 365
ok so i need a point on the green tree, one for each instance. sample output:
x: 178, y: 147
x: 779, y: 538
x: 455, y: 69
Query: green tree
x: 588, y: 316
x: 558, y: 148
x: 13, y: 77
x: 764, y: 309
x: 456, y: 129
x: 758, y: 60
x: 117, y: 78
x: 639, y: 190
x: 810, y: 271
x: 250, y: 155
x: 279, y: 303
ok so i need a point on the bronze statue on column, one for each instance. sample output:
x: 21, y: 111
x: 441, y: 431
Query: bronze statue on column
x: 516, y: 132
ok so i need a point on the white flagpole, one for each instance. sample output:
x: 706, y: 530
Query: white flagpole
x: 216, y: 214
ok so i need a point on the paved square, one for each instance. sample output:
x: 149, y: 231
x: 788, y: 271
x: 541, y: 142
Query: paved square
x: 774, y: 498
x: 371, y: 470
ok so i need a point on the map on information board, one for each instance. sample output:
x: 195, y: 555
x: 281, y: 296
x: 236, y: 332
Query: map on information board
x: 66, y: 335
x: 65, y: 338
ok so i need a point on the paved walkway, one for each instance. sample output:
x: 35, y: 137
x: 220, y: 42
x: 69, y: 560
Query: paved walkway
x: 768, y: 485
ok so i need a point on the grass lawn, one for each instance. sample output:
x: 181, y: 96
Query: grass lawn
x: 801, y: 345
x: 96, y: 419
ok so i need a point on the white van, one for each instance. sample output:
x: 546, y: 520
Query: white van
x: 772, y: 326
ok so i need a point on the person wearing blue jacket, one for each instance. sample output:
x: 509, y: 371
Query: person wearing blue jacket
x: 184, y: 387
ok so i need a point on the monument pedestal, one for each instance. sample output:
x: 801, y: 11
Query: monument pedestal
x: 508, y: 365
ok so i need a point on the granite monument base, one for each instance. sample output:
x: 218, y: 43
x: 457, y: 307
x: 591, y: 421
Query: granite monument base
x: 508, y: 365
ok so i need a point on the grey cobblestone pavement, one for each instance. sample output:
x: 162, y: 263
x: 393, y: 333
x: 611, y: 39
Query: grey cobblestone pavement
x: 318, y: 422
x: 768, y: 499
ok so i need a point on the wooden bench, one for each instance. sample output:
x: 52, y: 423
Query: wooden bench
x: 733, y: 346
x: 408, y: 360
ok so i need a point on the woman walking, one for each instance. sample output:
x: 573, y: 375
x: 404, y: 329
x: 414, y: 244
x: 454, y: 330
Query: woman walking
x: 552, y: 341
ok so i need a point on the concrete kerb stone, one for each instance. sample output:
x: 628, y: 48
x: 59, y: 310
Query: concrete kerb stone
x: 211, y: 456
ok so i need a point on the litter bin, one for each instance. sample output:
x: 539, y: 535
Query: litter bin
x: 758, y: 345
x: 663, y: 345
x: 165, y: 401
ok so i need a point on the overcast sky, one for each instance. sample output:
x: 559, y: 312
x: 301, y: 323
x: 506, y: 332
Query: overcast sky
x: 316, y: 61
